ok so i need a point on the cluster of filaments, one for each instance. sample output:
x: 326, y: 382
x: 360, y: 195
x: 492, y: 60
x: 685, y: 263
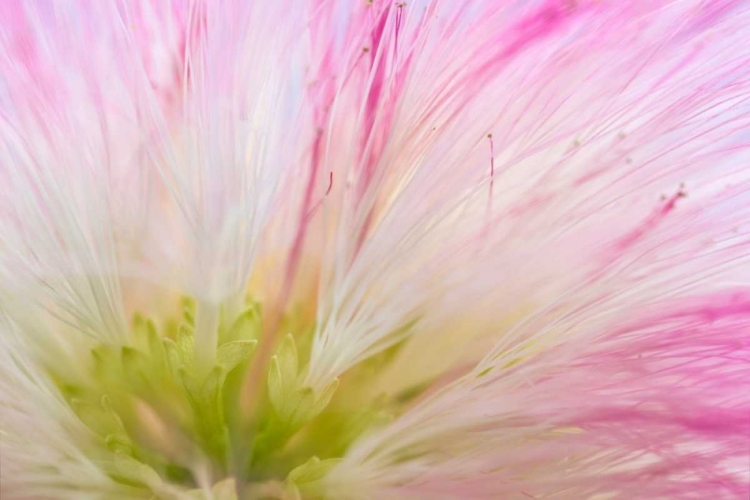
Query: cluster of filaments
x: 164, y: 425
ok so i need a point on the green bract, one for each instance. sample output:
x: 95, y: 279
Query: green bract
x: 157, y: 418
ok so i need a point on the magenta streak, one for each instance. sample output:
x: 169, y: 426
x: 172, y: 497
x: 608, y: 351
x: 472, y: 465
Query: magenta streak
x: 268, y: 339
x: 311, y: 213
x: 302, y: 225
x: 375, y: 96
x: 330, y: 182
x: 492, y: 164
x: 650, y: 223
x: 524, y: 34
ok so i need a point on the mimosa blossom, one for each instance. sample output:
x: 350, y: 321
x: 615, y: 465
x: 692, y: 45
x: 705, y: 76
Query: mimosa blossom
x: 366, y: 250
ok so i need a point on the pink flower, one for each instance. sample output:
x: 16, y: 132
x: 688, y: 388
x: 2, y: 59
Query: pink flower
x: 441, y: 249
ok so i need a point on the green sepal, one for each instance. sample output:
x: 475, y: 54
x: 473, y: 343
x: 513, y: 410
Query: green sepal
x: 205, y: 398
x: 189, y: 307
x: 226, y: 489
x: 144, y: 331
x: 231, y: 354
x: 177, y: 473
x: 103, y: 421
x: 127, y: 470
x: 151, y: 343
x: 118, y: 443
x: 202, y: 391
x: 306, y: 477
x: 324, y: 397
x: 188, y: 316
x: 106, y: 363
x: 174, y: 360
x: 299, y: 407
x: 332, y: 433
x: 186, y: 343
x: 282, y: 377
x: 288, y: 359
x: 110, y: 411
x: 293, y: 403
x: 135, y: 366
x: 313, y: 470
x: 276, y: 390
x: 181, y: 351
x: 247, y: 326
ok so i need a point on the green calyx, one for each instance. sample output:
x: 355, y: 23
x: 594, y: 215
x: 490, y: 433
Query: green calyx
x: 161, y: 424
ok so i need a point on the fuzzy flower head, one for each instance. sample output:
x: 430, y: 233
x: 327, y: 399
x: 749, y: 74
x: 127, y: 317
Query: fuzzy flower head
x: 366, y: 250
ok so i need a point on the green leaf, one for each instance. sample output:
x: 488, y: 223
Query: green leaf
x: 231, y: 354
x: 106, y: 363
x: 275, y: 384
x: 173, y: 357
x: 188, y: 316
x: 189, y: 306
x: 177, y: 473
x: 246, y: 326
x: 186, y: 343
x: 288, y: 360
x: 95, y: 417
x: 119, y: 444
x: 202, y: 391
x: 293, y: 403
x: 292, y: 492
x: 135, y: 365
x: 282, y: 378
x: 107, y: 407
x: 313, y: 470
x: 130, y: 471
x: 143, y: 331
x: 205, y: 398
x: 225, y: 490
x: 322, y: 399
x: 299, y: 408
